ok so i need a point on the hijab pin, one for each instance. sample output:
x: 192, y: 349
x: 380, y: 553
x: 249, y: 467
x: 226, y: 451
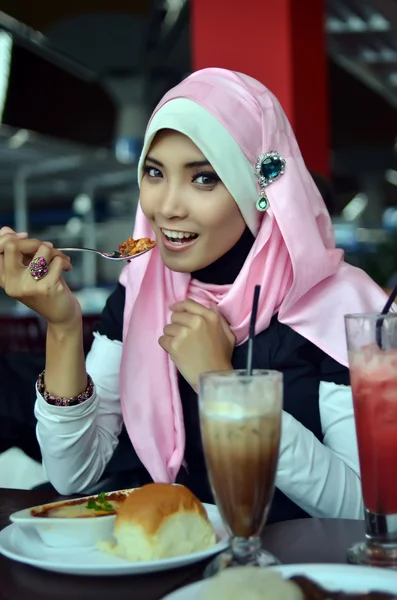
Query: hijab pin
x: 269, y: 168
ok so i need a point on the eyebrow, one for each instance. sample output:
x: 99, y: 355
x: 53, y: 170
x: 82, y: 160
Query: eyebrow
x: 189, y: 165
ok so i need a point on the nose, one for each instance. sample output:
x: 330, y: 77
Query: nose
x: 172, y: 204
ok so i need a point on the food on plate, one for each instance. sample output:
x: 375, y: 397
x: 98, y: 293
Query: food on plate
x: 82, y: 508
x: 314, y: 591
x: 131, y: 246
x: 101, y: 504
x: 160, y: 520
x: 251, y: 583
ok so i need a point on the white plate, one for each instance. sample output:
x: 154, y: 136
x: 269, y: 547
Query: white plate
x: 24, y: 545
x: 344, y: 578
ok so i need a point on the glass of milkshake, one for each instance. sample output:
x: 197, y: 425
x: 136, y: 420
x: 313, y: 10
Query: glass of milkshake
x: 240, y: 418
x: 372, y: 347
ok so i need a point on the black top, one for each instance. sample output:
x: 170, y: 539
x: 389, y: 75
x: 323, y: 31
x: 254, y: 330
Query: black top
x: 302, y: 363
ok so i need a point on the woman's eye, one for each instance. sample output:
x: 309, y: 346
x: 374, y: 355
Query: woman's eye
x: 152, y: 171
x: 207, y: 179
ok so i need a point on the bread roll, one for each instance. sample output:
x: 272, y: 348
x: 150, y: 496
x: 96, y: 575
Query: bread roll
x: 249, y: 583
x: 160, y: 520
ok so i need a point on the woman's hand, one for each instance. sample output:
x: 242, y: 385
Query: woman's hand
x: 5, y: 234
x: 198, y: 340
x: 49, y: 297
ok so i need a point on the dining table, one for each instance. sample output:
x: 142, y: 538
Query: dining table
x: 300, y: 541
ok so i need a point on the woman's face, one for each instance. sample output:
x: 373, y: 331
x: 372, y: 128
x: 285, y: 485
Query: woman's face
x: 195, y: 219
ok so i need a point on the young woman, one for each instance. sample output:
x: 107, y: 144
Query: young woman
x: 226, y: 194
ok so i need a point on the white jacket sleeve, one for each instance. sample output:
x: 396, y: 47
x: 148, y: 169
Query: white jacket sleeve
x: 77, y: 442
x: 323, y: 478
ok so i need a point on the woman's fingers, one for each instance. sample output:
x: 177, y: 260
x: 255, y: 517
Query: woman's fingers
x: 41, y: 288
x: 21, y: 252
x: 20, y: 282
x: 7, y: 231
x: 28, y: 249
x: 16, y: 284
x: 16, y: 250
x: 54, y: 277
x: 13, y: 243
x: 55, y: 259
x: 26, y: 258
x: 4, y: 230
x: 6, y: 238
x: 52, y: 255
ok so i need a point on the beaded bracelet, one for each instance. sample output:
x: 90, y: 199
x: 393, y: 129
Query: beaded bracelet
x: 56, y: 401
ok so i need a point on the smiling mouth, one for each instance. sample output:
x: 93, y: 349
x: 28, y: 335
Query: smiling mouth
x: 179, y: 237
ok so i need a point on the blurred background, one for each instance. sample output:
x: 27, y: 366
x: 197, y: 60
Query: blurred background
x: 79, y: 79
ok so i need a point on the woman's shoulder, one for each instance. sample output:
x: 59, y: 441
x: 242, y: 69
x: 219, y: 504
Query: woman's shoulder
x: 288, y: 347
x: 111, y: 321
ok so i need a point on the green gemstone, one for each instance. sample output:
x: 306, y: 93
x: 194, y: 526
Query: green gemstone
x: 271, y: 167
x: 262, y: 203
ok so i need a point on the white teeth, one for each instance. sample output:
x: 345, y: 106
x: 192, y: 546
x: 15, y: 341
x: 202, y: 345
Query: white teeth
x: 177, y: 234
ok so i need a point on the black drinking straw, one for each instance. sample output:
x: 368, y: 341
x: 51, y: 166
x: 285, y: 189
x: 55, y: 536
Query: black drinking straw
x: 385, y: 310
x: 254, y: 313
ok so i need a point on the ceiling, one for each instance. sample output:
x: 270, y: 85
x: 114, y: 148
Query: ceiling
x: 150, y: 39
x: 54, y: 167
x: 362, y: 39
x: 362, y: 45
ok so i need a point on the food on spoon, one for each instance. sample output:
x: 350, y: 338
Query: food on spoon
x: 251, y: 583
x: 131, y: 246
x: 160, y: 520
x: 82, y: 508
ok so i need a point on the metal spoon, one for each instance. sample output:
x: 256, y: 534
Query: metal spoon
x: 115, y: 256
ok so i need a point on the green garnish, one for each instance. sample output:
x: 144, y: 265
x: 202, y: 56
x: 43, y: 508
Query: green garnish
x: 100, y: 503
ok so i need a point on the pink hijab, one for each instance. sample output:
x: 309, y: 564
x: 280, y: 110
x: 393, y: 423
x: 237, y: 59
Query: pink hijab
x: 234, y: 119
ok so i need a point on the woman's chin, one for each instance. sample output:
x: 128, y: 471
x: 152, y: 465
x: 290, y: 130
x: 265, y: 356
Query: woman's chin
x: 179, y: 263
x: 185, y: 260
x: 178, y: 266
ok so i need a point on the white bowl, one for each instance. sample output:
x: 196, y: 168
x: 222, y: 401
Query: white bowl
x: 66, y: 532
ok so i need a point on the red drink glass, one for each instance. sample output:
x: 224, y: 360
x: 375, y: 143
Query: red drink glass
x: 372, y: 347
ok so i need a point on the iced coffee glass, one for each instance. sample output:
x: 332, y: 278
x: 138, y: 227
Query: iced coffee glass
x: 240, y: 418
x: 372, y: 346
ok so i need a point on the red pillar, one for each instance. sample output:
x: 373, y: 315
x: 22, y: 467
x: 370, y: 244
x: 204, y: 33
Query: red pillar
x: 282, y: 44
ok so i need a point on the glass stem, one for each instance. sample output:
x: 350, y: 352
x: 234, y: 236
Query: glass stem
x: 245, y: 549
